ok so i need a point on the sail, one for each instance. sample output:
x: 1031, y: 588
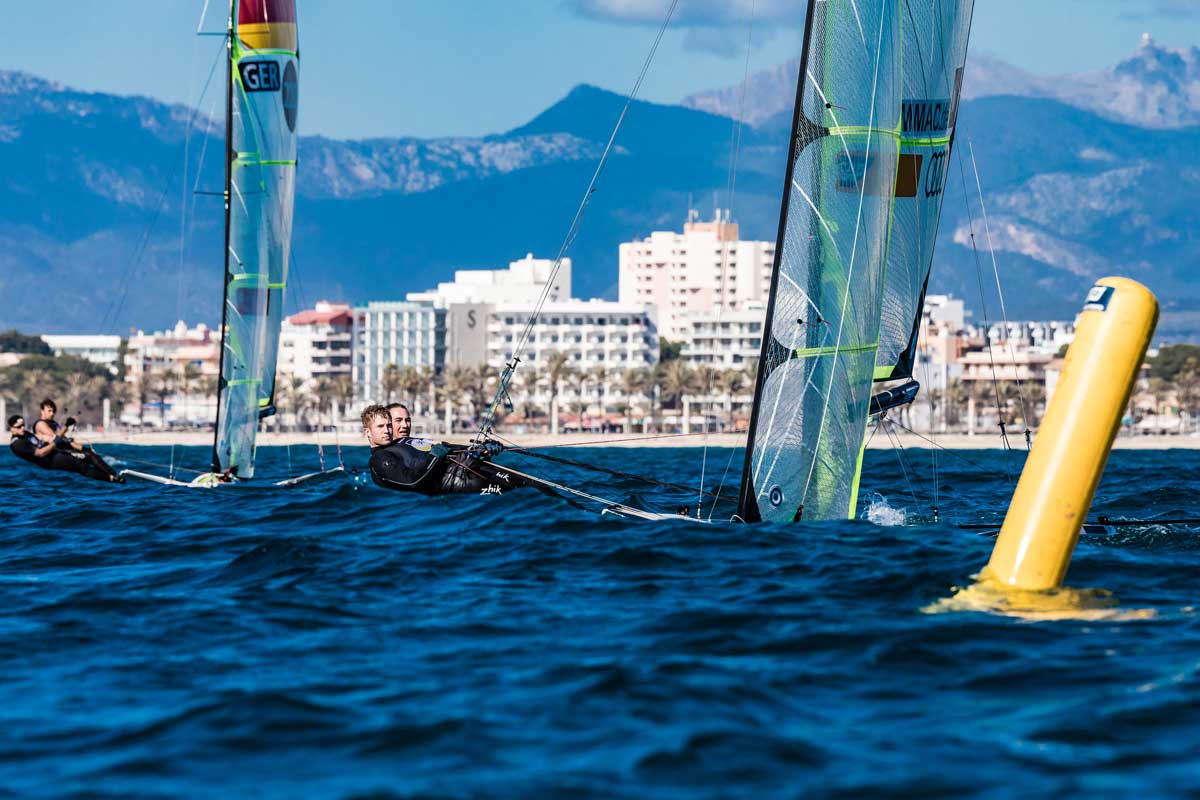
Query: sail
x: 822, y: 332
x: 935, y: 53
x: 263, y: 91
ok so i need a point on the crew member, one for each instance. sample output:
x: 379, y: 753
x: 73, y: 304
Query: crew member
x: 50, y: 455
x: 401, y: 421
x: 430, y: 467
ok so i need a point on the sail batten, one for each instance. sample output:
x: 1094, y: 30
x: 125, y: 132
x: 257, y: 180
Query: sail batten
x: 822, y: 333
x: 262, y: 96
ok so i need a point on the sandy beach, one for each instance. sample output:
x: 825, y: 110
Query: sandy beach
x: 951, y: 441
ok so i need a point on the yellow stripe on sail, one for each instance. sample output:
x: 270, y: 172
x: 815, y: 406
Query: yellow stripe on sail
x: 268, y: 35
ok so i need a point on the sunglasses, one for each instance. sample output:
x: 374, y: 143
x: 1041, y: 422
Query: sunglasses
x: 19, y: 425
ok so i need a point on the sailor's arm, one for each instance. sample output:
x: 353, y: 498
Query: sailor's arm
x: 45, y: 450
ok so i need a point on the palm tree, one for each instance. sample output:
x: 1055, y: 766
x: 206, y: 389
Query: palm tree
x: 678, y: 379
x: 389, y: 382
x: 325, y: 391
x: 456, y: 382
x: 599, y: 377
x: 188, y: 375
x: 343, y: 391
x: 411, y: 381
x: 731, y: 382
x: 558, y: 367
x: 162, y: 386
x: 636, y: 380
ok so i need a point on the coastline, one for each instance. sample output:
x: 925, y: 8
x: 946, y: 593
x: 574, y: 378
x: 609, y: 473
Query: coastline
x: 950, y: 441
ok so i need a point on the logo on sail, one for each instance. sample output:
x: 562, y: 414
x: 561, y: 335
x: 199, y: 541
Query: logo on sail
x: 927, y: 117
x: 862, y: 173
x: 261, y: 76
x: 291, y: 95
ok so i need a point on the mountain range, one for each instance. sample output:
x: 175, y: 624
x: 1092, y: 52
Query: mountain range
x: 105, y: 202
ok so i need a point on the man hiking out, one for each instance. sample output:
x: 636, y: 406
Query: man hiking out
x: 430, y: 467
x: 50, y: 454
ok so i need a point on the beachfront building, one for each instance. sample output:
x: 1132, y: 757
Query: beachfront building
x: 172, y: 377
x: 599, y: 342
x: 400, y: 333
x: 725, y: 339
x: 315, y: 344
x: 99, y: 349
x: 523, y: 282
x: 694, y: 272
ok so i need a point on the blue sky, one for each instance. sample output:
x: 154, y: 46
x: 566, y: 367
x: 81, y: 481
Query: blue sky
x: 467, y: 67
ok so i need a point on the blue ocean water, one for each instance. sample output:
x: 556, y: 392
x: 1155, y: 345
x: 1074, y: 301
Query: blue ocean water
x: 339, y: 640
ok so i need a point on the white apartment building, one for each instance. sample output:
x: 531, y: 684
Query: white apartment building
x: 316, y: 344
x: 100, y: 349
x: 173, y: 376
x: 523, y: 282
x: 725, y: 339
x: 694, y: 272
x: 403, y: 333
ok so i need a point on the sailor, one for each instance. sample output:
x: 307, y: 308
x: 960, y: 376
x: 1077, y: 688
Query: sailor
x: 430, y: 467
x: 50, y: 455
x: 25, y: 444
x: 401, y: 420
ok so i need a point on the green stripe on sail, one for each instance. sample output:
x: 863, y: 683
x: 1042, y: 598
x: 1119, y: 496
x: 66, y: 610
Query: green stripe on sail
x: 817, y: 352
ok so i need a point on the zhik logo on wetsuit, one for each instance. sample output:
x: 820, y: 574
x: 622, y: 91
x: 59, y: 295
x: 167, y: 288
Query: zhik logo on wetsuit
x: 260, y: 76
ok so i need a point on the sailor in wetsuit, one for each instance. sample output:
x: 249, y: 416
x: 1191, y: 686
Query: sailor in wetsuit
x: 431, y: 467
x: 26, y: 445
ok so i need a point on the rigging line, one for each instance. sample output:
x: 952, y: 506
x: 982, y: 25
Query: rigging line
x: 733, y: 452
x: 616, y: 473
x: 572, y: 232
x: 603, y: 441
x: 115, y: 309
x: 853, y: 253
x: 999, y: 289
x: 987, y: 338
x: 735, y: 145
x: 947, y: 450
x: 898, y: 449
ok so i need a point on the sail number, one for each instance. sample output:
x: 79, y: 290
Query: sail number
x: 260, y: 76
x: 935, y: 174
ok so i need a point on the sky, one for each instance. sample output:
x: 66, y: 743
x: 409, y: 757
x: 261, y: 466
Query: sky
x: 376, y: 68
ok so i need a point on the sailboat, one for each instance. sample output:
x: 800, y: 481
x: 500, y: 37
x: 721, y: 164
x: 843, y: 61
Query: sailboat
x: 873, y: 125
x: 877, y: 101
x: 261, y: 106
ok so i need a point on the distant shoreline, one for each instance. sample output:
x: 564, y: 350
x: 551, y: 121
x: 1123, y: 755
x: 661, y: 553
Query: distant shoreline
x: 951, y: 441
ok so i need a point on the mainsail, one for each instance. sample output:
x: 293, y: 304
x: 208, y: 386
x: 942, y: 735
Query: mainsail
x: 822, y: 331
x: 935, y: 53
x: 262, y: 97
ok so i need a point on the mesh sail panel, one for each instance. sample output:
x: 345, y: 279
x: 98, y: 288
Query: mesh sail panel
x: 263, y: 106
x: 819, y: 357
x: 935, y: 34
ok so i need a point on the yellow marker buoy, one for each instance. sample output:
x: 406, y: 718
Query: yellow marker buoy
x: 1060, y: 477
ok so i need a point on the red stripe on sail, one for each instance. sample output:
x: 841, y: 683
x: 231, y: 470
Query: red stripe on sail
x: 266, y: 11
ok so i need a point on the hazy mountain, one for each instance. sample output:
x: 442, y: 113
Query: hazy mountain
x: 1157, y: 87
x: 98, y: 197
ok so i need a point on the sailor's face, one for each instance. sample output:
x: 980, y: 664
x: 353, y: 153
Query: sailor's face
x: 401, y: 423
x: 17, y: 428
x: 47, y: 412
x: 379, y: 431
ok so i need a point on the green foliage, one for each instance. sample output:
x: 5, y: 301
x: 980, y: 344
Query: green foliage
x: 76, y: 384
x: 668, y: 350
x: 1173, y: 360
x: 13, y: 341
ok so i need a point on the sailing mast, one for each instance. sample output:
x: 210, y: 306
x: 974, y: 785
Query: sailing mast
x: 229, y: 155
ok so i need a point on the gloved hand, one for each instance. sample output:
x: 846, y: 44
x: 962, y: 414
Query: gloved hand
x: 491, y: 448
x: 439, y: 450
x: 70, y: 422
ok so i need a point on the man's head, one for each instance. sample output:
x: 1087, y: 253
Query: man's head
x: 377, y: 425
x: 16, y: 425
x: 48, y: 408
x: 401, y: 420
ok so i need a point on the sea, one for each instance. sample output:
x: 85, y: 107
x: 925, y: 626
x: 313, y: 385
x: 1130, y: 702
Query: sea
x: 337, y: 640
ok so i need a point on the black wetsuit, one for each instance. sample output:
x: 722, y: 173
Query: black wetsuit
x: 408, y: 465
x: 85, y: 463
